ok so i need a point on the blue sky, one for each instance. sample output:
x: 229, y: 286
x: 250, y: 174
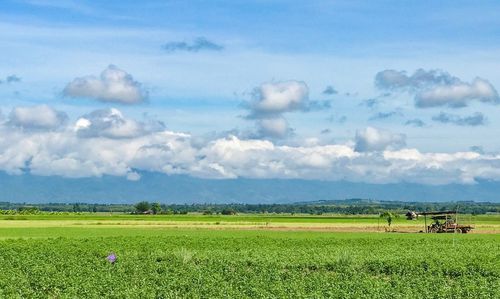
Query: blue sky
x: 216, y: 69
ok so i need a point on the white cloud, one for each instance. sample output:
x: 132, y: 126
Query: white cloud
x: 372, y: 139
x: 458, y: 95
x: 273, y: 127
x: 113, y: 85
x: 111, y: 123
x: 438, y: 88
x: 37, y: 117
x: 375, y: 157
x: 280, y: 97
x: 272, y: 100
x: 133, y: 176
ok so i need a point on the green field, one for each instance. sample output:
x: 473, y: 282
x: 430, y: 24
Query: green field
x: 246, y: 256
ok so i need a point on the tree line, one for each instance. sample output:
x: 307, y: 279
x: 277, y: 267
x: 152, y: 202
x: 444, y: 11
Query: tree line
x: 350, y: 207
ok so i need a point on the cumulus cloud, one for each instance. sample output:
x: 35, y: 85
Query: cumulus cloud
x: 113, y: 85
x: 272, y: 100
x: 111, y: 123
x: 276, y: 98
x: 436, y: 88
x: 197, y: 45
x: 372, y: 139
x: 37, y: 117
x: 476, y: 119
x: 458, y: 95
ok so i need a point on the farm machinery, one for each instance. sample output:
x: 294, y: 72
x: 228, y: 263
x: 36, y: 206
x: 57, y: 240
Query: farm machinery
x: 442, y: 222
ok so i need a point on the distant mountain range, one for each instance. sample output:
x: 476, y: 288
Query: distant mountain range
x: 185, y: 189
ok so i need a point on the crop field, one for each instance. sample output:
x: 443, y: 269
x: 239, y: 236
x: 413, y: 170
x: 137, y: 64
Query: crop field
x: 191, y: 256
x: 32, y: 225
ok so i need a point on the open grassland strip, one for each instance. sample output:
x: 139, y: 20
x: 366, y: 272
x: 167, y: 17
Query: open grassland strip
x: 484, y: 224
x: 67, y: 223
x: 198, y: 217
x: 260, y: 218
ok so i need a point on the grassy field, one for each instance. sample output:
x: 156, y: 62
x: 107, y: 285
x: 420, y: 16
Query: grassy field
x: 244, y: 256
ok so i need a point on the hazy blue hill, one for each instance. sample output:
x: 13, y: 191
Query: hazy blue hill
x: 184, y: 189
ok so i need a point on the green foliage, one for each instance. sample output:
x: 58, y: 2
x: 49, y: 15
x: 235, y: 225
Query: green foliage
x: 252, y: 264
x: 25, y: 210
x: 156, y: 208
x: 350, y: 206
x: 389, y: 216
x: 228, y: 211
x: 142, y: 207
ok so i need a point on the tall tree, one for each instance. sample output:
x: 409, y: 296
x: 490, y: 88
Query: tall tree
x: 142, y: 206
x: 156, y: 208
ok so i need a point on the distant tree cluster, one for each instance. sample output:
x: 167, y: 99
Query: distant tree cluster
x: 348, y: 207
x: 145, y: 207
x: 21, y: 211
x: 65, y: 207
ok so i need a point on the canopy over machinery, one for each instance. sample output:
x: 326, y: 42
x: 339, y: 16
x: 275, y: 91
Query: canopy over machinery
x: 443, y: 222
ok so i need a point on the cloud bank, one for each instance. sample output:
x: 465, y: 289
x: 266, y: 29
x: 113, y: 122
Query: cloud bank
x: 108, y: 143
x: 113, y: 85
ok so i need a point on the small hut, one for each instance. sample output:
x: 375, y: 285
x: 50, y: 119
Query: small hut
x: 411, y: 215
